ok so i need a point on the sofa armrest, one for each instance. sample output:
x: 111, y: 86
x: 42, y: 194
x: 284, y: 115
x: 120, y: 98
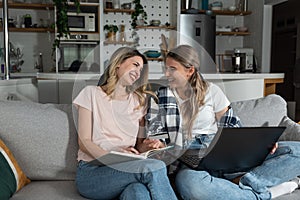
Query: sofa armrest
x: 292, y: 131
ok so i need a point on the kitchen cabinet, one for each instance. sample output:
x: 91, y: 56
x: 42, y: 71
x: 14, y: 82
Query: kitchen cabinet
x: 226, y: 41
x: 27, y: 7
x: 31, y: 41
x: 235, y: 14
x: 79, y: 52
x: 62, y: 88
x: 24, y: 89
x: 225, y: 13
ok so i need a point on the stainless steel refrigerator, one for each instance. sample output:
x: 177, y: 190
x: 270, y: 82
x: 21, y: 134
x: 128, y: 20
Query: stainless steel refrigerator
x: 199, y: 30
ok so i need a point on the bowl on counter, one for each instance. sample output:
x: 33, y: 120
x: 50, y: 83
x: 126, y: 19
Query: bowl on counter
x: 217, y: 5
x: 216, y: 8
x: 232, y: 8
x: 155, y: 22
x: 240, y: 29
x: 152, y: 54
x: 243, y: 29
x: 126, y: 6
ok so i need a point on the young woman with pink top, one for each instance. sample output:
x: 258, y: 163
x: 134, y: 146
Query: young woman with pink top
x: 110, y: 116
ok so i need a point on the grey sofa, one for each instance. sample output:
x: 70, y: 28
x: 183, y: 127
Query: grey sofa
x: 43, y: 140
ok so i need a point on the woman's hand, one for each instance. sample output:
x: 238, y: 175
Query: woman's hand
x: 275, y: 147
x: 153, y: 143
x: 149, y: 144
x: 131, y: 150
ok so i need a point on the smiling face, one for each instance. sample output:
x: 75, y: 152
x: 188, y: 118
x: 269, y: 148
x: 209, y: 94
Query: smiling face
x: 177, y: 74
x: 130, y: 70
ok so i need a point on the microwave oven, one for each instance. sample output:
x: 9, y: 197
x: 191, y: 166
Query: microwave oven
x: 84, y: 22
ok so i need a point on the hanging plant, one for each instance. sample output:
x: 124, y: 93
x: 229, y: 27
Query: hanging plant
x: 111, y: 28
x: 62, y: 29
x: 139, y: 14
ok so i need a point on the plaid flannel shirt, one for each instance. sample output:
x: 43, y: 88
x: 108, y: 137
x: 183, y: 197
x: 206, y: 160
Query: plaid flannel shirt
x: 229, y: 119
x: 166, y: 112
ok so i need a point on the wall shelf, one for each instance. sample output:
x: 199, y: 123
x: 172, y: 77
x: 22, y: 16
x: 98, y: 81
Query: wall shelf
x: 156, y: 27
x: 35, y: 6
x: 40, y: 30
x: 84, y: 4
x: 233, y: 33
x: 228, y: 12
x: 128, y: 11
x: 117, y: 43
x: 222, y: 12
x: 160, y: 59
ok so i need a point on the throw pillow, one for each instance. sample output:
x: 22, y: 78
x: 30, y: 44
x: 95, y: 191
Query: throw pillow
x: 12, y: 177
x: 292, y: 131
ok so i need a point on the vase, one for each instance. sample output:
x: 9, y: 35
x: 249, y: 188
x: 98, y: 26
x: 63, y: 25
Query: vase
x: 122, y: 36
x: 111, y: 36
x: 140, y: 22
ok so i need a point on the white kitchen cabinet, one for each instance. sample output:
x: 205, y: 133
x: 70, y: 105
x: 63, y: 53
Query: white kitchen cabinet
x: 61, y: 91
x: 48, y: 92
x: 24, y: 89
x: 34, y: 40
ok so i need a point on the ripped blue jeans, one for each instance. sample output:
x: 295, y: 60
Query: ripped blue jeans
x: 277, y: 168
x: 199, y: 142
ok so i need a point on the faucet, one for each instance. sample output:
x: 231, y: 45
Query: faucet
x: 39, y: 64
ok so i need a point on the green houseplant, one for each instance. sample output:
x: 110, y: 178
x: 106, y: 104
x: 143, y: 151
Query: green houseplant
x: 111, y: 31
x: 139, y: 14
x: 61, y: 23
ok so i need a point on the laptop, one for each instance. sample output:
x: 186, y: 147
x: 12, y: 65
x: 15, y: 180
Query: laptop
x: 233, y: 150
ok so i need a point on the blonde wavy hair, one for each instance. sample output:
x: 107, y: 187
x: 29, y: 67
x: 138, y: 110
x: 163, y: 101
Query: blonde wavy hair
x: 188, y: 57
x: 109, y: 79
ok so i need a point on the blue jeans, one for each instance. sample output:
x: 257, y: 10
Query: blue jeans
x: 141, y: 179
x: 277, y: 168
x: 200, y: 141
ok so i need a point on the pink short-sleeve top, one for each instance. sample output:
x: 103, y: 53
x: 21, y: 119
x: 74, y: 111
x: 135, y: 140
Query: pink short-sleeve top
x: 115, y: 122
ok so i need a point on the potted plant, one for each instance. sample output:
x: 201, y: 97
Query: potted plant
x: 139, y: 15
x: 111, y: 31
x: 61, y: 23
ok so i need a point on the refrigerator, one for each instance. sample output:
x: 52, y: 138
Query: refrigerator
x: 199, y: 31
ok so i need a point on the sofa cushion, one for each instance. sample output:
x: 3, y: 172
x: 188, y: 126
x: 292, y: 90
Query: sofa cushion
x: 262, y: 111
x: 292, y: 196
x: 49, y: 190
x: 42, y: 137
x: 12, y: 177
x: 292, y: 131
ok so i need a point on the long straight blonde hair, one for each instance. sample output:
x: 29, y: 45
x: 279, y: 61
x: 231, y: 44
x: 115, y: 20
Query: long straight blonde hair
x: 109, y: 79
x: 188, y: 57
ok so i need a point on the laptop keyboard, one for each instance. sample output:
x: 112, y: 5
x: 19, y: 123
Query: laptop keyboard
x: 190, y: 160
x: 193, y: 159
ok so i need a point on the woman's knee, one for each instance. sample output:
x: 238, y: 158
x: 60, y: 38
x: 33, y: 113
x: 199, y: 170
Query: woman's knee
x: 289, y: 147
x: 188, y: 176
x: 190, y: 183
x: 153, y: 165
x: 135, y: 191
